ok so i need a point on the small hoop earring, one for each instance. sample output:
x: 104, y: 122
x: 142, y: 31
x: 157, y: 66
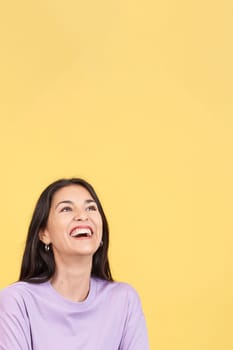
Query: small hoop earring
x: 47, y: 248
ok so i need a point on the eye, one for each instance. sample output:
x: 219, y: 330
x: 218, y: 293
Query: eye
x: 91, y: 208
x: 64, y: 209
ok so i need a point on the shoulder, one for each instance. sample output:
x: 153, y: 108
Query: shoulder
x: 11, y: 296
x: 118, y: 290
x: 15, y: 295
x: 115, y: 287
x: 14, y: 291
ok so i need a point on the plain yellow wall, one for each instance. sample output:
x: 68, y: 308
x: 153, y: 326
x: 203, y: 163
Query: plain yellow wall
x: 136, y: 97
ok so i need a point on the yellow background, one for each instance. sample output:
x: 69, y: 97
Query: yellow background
x: 136, y: 97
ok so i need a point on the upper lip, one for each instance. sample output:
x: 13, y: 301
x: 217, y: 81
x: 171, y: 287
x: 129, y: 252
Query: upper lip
x: 80, y: 227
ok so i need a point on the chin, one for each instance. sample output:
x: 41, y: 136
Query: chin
x: 84, y: 252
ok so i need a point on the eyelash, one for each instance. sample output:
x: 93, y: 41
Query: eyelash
x: 90, y: 208
x: 66, y: 209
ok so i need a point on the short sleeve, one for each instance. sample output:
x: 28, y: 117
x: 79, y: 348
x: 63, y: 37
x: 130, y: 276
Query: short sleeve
x: 135, y: 336
x: 14, y: 323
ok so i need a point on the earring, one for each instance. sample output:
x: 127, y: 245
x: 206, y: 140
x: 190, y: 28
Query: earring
x: 101, y: 243
x: 47, y: 248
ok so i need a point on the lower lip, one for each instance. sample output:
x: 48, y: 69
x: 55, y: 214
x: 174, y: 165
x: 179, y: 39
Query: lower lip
x: 81, y: 238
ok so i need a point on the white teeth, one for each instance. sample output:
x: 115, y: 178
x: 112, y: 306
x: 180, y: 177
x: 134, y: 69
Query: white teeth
x: 81, y: 231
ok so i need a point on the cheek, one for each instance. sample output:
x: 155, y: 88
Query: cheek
x: 97, y: 221
x: 51, y: 226
x: 54, y: 226
x: 100, y: 224
x: 101, y: 221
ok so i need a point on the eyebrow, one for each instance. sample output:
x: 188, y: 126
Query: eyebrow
x: 87, y: 201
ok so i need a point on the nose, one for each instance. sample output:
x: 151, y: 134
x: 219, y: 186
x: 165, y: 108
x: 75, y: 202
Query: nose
x: 80, y: 215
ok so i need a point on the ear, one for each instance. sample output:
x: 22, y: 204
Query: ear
x: 44, y: 236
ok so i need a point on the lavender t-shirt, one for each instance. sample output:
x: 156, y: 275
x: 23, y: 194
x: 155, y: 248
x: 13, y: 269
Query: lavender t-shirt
x: 36, y: 317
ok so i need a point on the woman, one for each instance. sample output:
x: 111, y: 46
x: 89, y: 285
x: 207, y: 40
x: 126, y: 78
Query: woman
x: 66, y: 297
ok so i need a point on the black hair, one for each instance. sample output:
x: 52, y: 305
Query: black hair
x: 38, y: 265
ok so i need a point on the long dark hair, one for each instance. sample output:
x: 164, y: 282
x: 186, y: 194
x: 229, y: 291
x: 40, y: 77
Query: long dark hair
x: 38, y: 265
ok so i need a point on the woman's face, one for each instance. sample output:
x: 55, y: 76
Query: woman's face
x: 74, y: 226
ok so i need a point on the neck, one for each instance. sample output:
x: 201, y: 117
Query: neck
x: 73, y: 280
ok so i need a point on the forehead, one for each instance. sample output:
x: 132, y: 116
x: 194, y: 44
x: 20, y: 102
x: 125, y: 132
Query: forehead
x: 71, y: 192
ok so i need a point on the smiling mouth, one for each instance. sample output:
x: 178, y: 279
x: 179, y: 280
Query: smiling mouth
x: 81, y: 233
